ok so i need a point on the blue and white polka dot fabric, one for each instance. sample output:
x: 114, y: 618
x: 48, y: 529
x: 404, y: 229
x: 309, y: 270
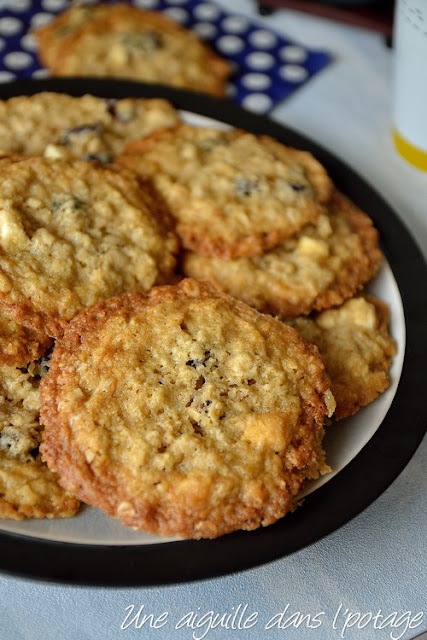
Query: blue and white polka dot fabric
x: 267, y: 67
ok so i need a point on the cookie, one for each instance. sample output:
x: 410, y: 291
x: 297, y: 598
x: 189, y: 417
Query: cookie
x: 356, y: 347
x: 19, y: 344
x: 28, y: 489
x: 319, y: 268
x: 184, y: 412
x: 6, y: 159
x: 74, y: 233
x: 122, y: 41
x: 87, y: 127
x: 232, y: 193
x: 53, y: 36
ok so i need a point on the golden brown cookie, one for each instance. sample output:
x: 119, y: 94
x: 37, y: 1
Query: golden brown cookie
x: 232, y: 193
x: 19, y: 345
x: 53, y: 36
x: 122, y: 41
x: 28, y: 489
x: 356, y: 348
x: 74, y: 233
x: 87, y: 127
x: 9, y: 158
x: 318, y: 268
x: 184, y: 412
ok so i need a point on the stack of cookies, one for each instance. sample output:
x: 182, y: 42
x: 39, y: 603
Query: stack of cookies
x: 181, y: 313
x: 265, y: 224
x: 74, y: 231
x: 28, y: 489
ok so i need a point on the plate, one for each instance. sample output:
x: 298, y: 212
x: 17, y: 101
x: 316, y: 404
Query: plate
x: 366, y: 451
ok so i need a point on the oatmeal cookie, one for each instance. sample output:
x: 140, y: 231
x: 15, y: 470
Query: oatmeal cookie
x: 28, y: 489
x: 87, y: 127
x: 319, y: 268
x: 184, y: 412
x: 19, y: 344
x: 356, y: 348
x: 122, y: 41
x: 53, y: 36
x: 232, y: 193
x: 7, y: 159
x: 74, y: 233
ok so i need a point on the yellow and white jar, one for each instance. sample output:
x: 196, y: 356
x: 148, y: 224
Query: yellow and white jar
x: 410, y: 81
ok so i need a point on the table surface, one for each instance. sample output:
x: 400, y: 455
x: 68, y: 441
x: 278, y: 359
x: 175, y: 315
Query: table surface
x: 374, y: 565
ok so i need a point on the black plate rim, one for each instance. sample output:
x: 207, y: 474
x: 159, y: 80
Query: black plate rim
x: 331, y: 506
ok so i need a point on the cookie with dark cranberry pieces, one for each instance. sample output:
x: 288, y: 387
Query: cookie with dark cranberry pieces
x: 232, y: 193
x: 90, y: 128
x: 184, y: 412
x: 74, y: 233
x: 123, y: 41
